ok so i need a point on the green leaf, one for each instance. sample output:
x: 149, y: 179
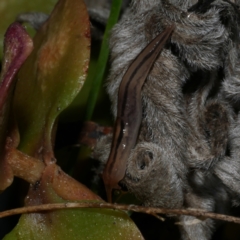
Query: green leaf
x: 75, y: 224
x: 94, y: 224
x: 53, y: 74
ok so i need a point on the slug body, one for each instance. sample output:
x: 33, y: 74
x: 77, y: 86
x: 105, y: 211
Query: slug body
x: 129, y: 112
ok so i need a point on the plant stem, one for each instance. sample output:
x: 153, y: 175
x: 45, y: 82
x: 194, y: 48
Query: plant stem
x: 24, y: 166
x: 102, y: 59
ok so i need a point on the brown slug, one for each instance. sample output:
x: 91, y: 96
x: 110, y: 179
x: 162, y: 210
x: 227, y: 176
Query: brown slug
x: 129, y: 111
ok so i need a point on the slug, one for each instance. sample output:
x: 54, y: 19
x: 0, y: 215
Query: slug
x: 129, y: 112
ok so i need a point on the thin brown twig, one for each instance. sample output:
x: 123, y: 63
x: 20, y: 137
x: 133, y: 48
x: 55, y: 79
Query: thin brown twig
x: 158, y: 217
x: 134, y: 208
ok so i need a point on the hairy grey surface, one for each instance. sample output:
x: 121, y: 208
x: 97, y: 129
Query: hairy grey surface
x: 35, y: 19
x: 190, y: 100
x: 228, y: 170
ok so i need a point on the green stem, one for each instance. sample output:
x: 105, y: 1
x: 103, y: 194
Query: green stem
x: 102, y: 60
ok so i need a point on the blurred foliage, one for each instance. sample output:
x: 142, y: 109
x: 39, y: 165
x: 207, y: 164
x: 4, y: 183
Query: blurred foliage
x: 10, y: 9
x: 47, y: 83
